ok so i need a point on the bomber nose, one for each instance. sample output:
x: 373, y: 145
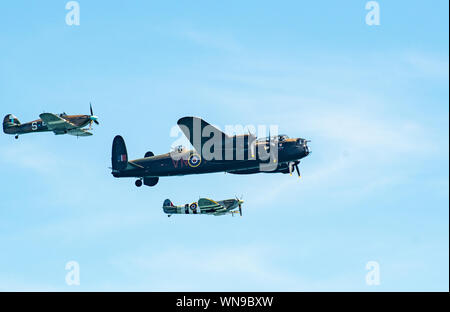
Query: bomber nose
x: 303, y: 144
x: 305, y: 147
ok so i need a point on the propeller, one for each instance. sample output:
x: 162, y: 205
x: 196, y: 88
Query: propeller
x: 272, y: 144
x: 253, y: 142
x: 298, y: 171
x: 240, y: 202
x: 92, y: 117
x: 293, y: 165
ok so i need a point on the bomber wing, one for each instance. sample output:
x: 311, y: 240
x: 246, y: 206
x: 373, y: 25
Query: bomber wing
x: 198, y: 131
x: 56, y: 123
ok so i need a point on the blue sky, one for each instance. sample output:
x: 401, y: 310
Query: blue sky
x: 373, y: 100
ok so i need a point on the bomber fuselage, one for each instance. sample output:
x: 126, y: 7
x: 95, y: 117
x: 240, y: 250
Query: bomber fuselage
x: 189, y: 162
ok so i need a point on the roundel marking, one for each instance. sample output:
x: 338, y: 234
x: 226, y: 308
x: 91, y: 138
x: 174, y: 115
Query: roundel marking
x: 193, y: 206
x: 194, y: 160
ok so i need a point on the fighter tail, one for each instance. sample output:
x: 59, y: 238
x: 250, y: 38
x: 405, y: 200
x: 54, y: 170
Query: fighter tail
x: 119, y: 157
x: 9, y: 123
x: 169, y: 208
x: 168, y: 202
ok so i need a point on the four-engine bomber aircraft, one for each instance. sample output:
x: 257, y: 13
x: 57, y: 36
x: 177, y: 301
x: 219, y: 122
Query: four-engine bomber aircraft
x: 247, y: 155
x: 205, y: 206
x: 59, y: 124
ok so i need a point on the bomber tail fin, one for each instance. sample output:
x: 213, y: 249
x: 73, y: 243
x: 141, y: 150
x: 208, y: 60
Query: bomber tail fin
x: 9, y: 123
x: 119, y: 157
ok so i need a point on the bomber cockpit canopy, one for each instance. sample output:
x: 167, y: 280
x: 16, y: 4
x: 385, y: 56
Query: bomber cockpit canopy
x: 62, y: 114
x: 280, y: 138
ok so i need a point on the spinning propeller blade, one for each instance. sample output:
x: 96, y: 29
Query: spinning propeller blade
x: 298, y: 171
x: 92, y: 116
x: 292, y: 165
x: 240, y: 201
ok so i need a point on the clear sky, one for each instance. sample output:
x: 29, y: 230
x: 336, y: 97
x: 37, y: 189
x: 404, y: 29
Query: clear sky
x: 374, y: 101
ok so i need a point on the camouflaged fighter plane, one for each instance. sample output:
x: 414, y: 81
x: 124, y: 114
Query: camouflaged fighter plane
x: 183, y: 162
x: 59, y: 124
x: 205, y: 206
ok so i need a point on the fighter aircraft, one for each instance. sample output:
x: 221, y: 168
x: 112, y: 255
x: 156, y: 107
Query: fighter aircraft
x: 205, y: 206
x: 59, y: 124
x: 147, y: 170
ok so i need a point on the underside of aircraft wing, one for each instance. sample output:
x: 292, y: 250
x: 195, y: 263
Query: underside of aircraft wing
x: 79, y: 132
x: 56, y: 123
x: 198, y: 131
x: 221, y: 213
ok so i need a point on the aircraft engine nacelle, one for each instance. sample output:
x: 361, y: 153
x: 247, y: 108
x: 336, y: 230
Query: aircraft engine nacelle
x: 151, y: 181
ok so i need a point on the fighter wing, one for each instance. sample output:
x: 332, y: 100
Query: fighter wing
x: 198, y: 131
x: 56, y: 123
x: 79, y: 132
x: 209, y: 206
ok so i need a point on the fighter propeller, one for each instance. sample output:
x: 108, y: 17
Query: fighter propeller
x: 93, y: 117
x: 240, y: 202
